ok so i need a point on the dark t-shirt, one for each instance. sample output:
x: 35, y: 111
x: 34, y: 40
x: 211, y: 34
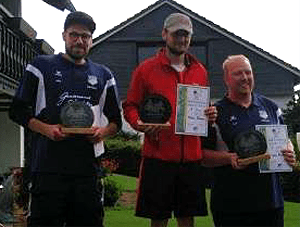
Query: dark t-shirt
x: 245, y: 190
x: 48, y: 83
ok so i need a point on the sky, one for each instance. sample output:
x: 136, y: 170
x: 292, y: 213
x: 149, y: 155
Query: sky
x: 272, y: 25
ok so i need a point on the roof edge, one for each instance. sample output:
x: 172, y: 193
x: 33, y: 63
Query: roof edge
x: 204, y: 21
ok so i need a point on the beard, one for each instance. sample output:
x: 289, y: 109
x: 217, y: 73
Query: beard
x: 74, y: 55
x: 175, y: 51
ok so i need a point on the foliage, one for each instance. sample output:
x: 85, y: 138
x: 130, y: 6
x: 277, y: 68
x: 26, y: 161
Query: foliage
x: 122, y: 154
x: 112, y: 192
x: 291, y: 181
x: 125, y: 142
x: 125, y: 149
x: 292, y: 114
x: 291, y: 186
x: 109, y: 165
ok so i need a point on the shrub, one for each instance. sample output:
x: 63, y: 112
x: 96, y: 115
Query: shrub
x: 125, y: 149
x: 291, y: 186
x: 109, y: 165
x: 112, y: 192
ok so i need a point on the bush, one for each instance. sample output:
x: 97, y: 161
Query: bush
x: 291, y: 186
x: 125, y: 149
x: 112, y: 192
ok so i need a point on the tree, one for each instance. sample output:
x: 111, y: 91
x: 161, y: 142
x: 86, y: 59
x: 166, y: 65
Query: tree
x: 292, y: 114
x: 292, y: 119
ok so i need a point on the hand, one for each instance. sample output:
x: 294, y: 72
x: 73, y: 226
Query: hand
x: 233, y: 160
x: 99, y: 134
x: 53, y: 132
x: 289, y: 154
x: 211, y: 113
x: 151, y: 131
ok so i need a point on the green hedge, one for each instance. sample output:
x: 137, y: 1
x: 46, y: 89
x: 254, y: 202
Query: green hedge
x: 125, y: 148
x: 112, y: 191
x: 291, y: 181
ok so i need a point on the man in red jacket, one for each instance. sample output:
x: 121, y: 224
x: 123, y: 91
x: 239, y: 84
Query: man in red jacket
x: 170, y: 177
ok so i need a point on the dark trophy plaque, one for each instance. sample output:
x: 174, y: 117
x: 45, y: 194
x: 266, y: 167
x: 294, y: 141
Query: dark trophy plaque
x: 77, y: 118
x: 155, y: 110
x: 251, y: 147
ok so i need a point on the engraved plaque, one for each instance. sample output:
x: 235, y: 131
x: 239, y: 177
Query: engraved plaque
x: 251, y: 147
x: 77, y: 117
x: 155, y: 109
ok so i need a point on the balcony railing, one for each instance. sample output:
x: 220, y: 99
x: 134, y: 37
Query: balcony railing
x: 16, y: 50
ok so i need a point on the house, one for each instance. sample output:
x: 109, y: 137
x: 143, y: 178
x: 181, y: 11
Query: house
x: 123, y: 47
x: 18, y: 45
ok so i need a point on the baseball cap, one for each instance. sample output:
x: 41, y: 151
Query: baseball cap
x: 81, y: 18
x: 178, y: 21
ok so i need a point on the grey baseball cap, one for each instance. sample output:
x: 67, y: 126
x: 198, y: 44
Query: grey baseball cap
x: 178, y: 21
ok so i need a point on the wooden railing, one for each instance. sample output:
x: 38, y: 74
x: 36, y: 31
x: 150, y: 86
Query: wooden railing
x: 17, y: 47
x: 15, y: 52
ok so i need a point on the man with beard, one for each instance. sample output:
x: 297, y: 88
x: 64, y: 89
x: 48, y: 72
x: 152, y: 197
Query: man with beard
x: 170, y: 176
x: 63, y: 170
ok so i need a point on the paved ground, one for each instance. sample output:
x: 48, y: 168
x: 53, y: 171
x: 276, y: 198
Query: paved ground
x: 128, y: 199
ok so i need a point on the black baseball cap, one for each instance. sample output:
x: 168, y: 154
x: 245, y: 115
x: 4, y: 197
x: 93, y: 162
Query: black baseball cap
x: 81, y: 18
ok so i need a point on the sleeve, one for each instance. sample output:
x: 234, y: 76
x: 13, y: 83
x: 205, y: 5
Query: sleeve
x: 22, y: 108
x: 210, y: 141
x: 112, y: 109
x: 135, y: 95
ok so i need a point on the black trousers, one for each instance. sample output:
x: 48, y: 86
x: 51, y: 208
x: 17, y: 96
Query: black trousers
x: 65, y: 201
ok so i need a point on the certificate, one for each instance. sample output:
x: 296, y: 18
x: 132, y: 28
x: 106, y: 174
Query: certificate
x: 191, y: 102
x: 277, y: 140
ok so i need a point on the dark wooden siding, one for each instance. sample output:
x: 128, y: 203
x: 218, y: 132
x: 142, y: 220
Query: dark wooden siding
x: 122, y: 51
x: 120, y: 57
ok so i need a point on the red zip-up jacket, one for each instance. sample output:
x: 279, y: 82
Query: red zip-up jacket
x: 157, y: 76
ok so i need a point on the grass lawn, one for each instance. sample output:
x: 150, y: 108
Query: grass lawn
x: 126, y: 182
x: 124, y: 216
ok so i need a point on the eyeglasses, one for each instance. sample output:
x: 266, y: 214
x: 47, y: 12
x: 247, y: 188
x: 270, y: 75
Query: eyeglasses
x: 84, y: 36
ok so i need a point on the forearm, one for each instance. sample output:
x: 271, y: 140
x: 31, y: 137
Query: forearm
x: 53, y: 132
x: 213, y: 158
x: 37, y: 126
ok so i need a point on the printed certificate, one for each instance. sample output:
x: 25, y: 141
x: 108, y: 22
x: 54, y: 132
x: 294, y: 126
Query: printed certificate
x: 277, y: 139
x: 191, y: 102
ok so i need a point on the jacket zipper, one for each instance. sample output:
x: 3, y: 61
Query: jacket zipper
x: 181, y: 80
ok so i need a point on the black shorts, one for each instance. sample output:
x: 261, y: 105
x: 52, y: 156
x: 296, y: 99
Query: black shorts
x: 167, y: 188
x: 65, y: 200
x: 273, y: 217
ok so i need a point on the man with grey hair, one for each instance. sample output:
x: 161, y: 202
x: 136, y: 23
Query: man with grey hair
x: 241, y: 195
x: 170, y: 175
